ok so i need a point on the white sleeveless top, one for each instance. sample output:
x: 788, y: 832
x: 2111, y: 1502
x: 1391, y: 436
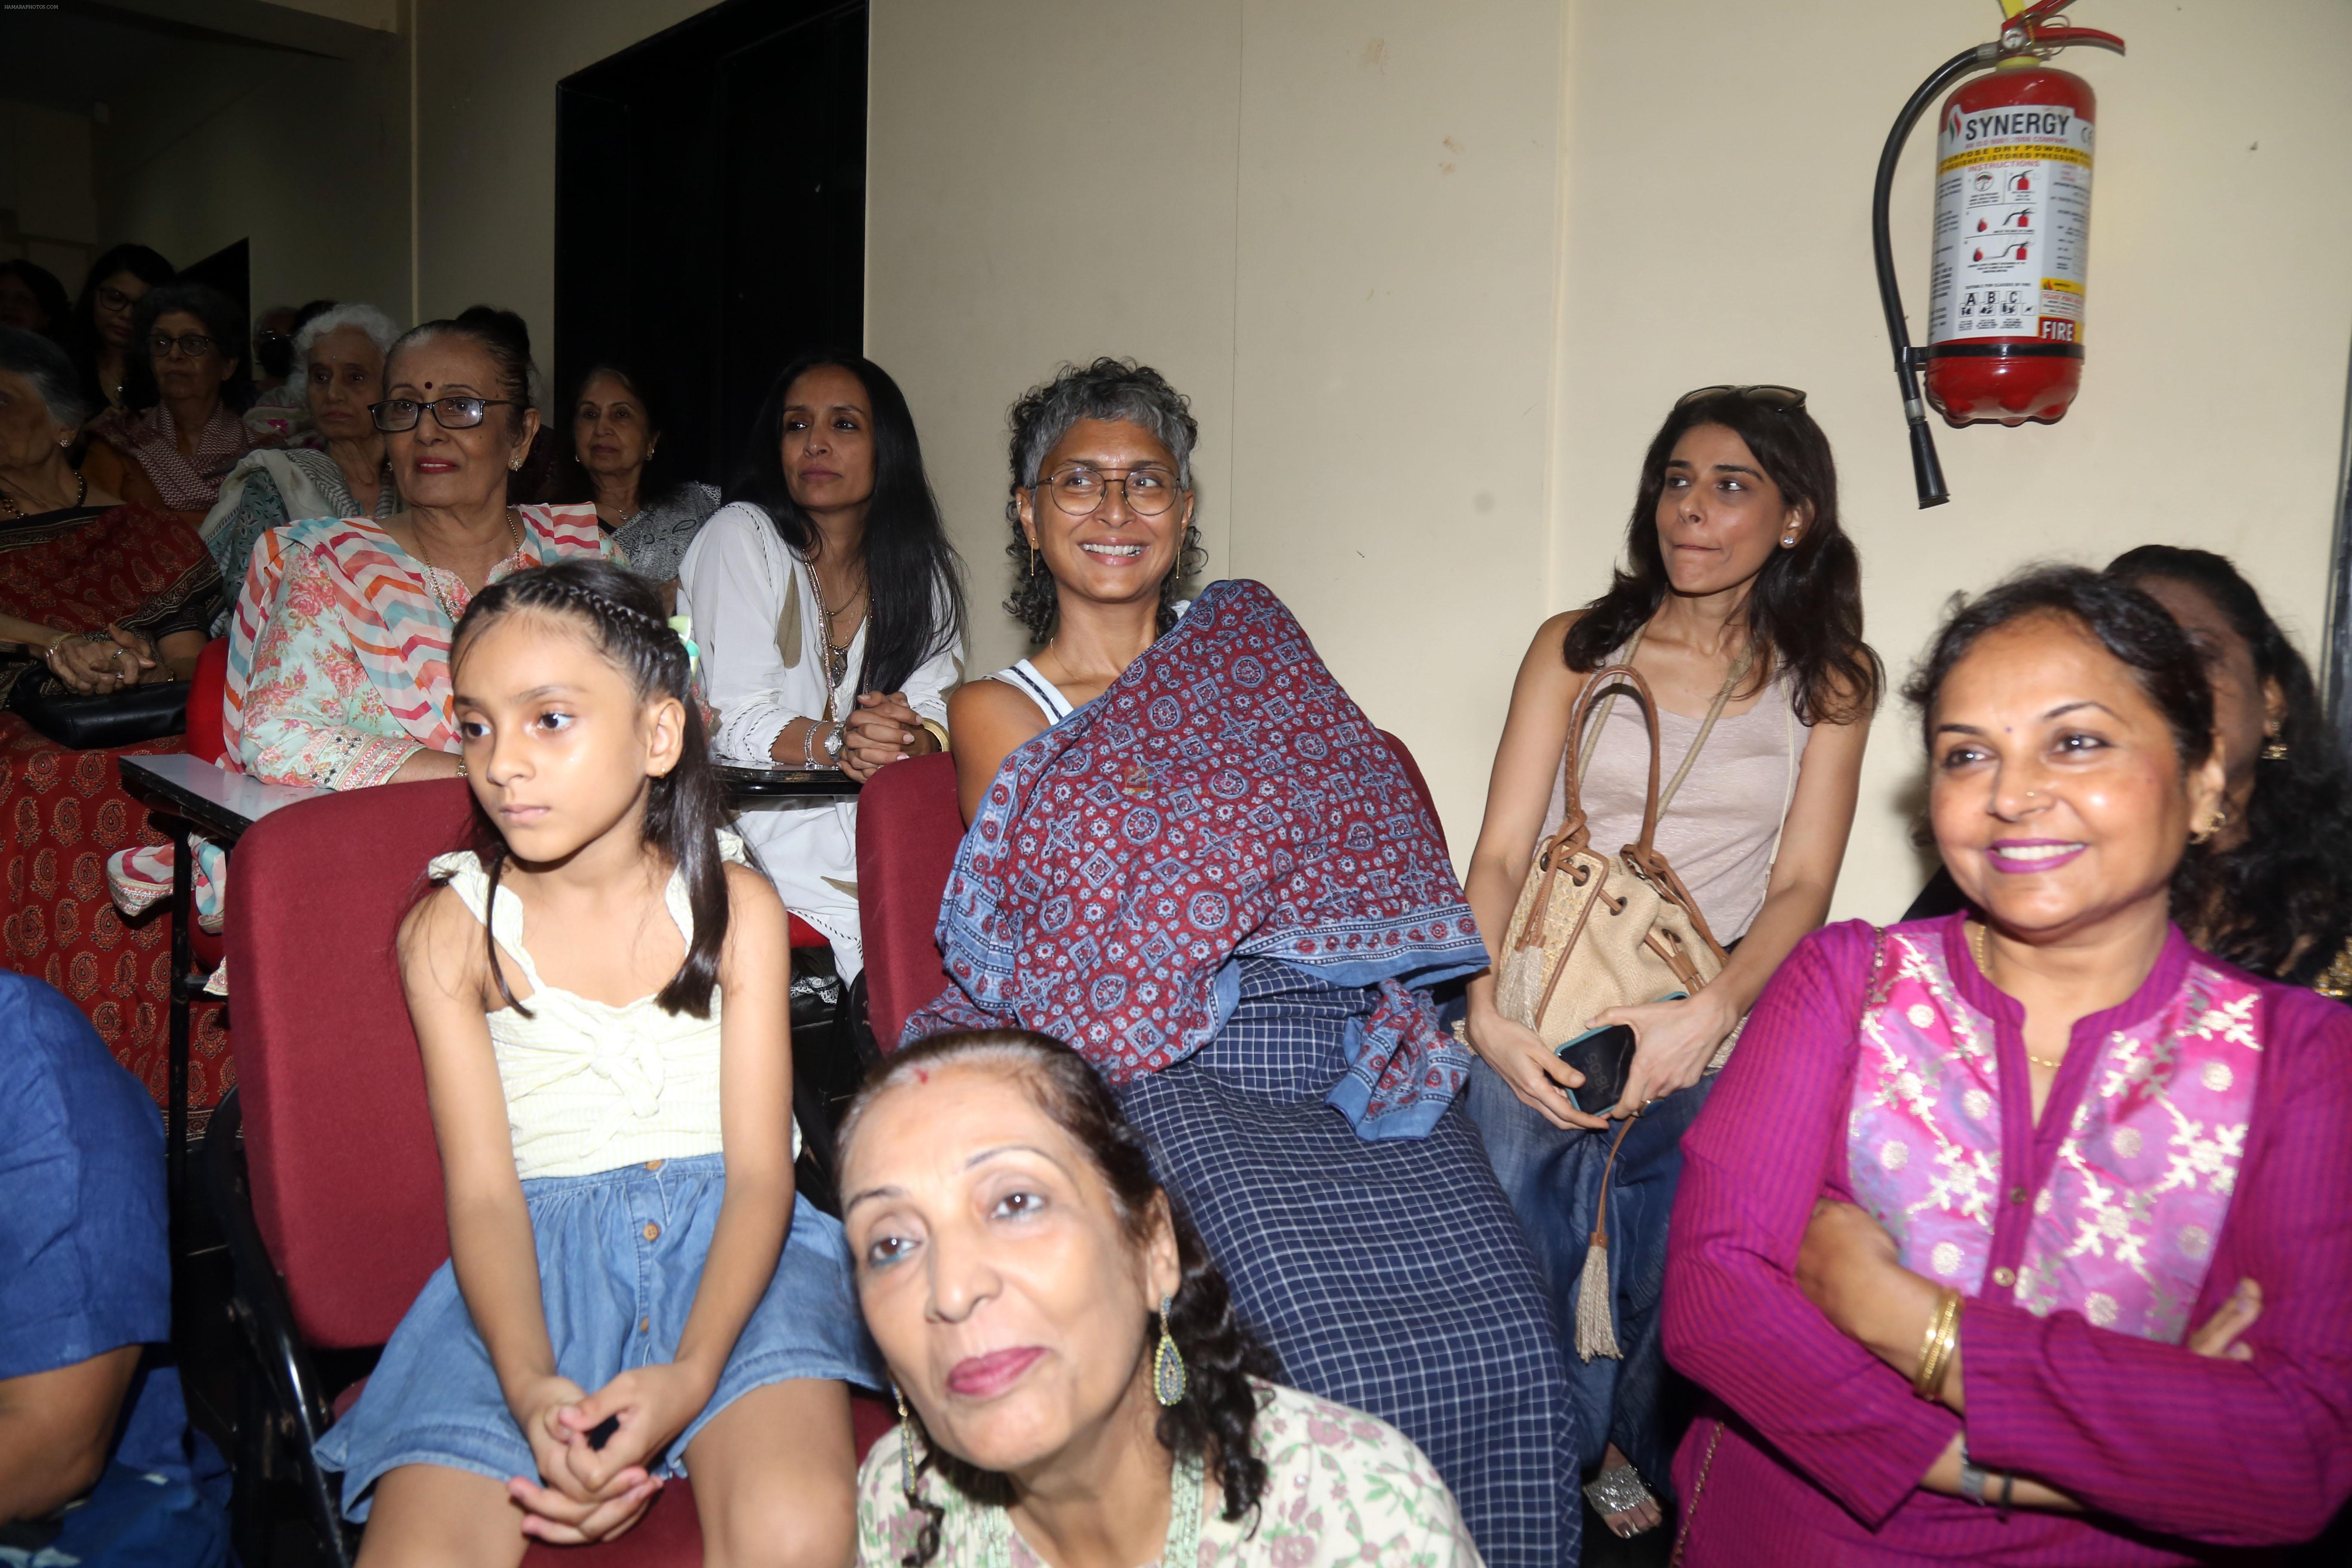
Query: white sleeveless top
x: 1024, y: 676
x: 592, y: 1086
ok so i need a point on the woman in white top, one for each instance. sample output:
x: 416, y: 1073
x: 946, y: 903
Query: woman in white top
x: 1741, y: 599
x: 829, y: 608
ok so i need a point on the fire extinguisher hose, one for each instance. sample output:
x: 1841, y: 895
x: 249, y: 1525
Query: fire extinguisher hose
x: 1926, y: 469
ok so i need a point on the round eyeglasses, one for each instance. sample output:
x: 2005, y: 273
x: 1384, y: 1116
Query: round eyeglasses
x: 397, y: 414
x: 1079, y: 489
x: 187, y: 345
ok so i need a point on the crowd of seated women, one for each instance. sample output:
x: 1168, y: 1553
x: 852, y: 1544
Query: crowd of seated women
x: 1220, y: 1206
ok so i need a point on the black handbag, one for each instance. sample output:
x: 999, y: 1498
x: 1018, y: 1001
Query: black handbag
x: 98, y: 724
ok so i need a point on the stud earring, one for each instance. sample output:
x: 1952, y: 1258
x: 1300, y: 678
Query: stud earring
x: 1787, y: 542
x: 1167, y: 1362
x: 2221, y: 820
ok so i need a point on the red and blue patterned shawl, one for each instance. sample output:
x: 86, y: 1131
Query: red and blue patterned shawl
x: 1222, y: 799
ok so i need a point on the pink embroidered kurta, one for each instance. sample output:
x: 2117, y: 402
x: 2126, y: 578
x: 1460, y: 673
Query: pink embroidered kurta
x: 2198, y: 1132
x: 339, y: 654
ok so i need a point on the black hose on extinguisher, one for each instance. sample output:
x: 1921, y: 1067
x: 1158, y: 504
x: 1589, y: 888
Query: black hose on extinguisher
x: 1924, y: 469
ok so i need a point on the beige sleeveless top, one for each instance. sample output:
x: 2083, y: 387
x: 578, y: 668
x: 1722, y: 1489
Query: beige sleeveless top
x: 1723, y: 826
x: 592, y: 1086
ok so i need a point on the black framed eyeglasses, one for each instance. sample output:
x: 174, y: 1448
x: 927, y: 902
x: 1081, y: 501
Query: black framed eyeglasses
x: 113, y: 298
x: 187, y: 345
x: 1779, y: 399
x: 397, y: 414
x: 1079, y: 489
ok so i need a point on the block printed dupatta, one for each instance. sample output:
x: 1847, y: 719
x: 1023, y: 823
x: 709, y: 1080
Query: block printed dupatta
x: 1222, y: 799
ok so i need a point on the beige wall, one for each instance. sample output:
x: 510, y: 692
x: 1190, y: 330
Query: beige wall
x: 49, y: 200
x: 304, y: 156
x: 485, y: 142
x: 1438, y: 271
x: 1353, y: 282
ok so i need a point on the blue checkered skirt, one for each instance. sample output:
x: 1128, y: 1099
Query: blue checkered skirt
x: 1388, y: 1276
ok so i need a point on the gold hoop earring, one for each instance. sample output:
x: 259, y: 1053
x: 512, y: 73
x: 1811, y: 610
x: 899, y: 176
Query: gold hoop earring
x: 1167, y: 1362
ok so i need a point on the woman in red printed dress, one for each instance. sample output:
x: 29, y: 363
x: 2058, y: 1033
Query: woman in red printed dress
x: 96, y: 594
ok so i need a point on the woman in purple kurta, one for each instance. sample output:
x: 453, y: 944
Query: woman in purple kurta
x: 2126, y: 1161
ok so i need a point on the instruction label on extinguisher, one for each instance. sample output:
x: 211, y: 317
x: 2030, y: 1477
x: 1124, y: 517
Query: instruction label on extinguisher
x: 2012, y: 223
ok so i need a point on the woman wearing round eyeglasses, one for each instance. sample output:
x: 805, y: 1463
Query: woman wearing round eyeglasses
x: 1741, y: 605
x: 337, y: 670
x: 180, y: 429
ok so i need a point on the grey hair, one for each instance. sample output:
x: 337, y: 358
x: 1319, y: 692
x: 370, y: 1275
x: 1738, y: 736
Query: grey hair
x: 1112, y: 389
x: 373, y: 323
x: 45, y: 365
x: 1106, y: 389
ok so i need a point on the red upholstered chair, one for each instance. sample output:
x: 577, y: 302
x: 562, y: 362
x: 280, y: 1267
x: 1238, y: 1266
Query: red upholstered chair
x: 909, y: 826
x: 207, y: 690
x: 340, y: 1220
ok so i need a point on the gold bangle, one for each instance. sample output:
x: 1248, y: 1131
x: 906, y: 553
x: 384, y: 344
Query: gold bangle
x: 939, y: 732
x: 1935, y: 1350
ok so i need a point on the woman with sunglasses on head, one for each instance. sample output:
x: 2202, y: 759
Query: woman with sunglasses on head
x: 102, y: 328
x: 180, y: 429
x: 829, y: 605
x: 1741, y: 605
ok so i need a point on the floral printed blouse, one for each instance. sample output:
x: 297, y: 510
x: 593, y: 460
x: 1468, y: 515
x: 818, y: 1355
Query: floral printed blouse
x: 1340, y: 1487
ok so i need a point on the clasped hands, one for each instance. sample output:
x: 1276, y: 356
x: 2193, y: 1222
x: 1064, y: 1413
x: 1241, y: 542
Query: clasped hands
x: 1673, y: 1042
x: 585, y: 1493
x: 882, y: 729
x: 96, y: 665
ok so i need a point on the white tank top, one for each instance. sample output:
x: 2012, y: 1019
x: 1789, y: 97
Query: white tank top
x: 592, y: 1086
x: 1024, y: 676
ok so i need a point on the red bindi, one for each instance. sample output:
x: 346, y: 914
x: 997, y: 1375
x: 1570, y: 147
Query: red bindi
x: 922, y: 1077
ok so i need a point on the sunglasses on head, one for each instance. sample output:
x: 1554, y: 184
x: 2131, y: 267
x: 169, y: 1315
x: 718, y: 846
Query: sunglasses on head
x: 1779, y: 399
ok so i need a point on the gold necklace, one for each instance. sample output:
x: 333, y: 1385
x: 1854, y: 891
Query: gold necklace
x: 1984, y: 967
x: 433, y: 573
x: 81, y: 494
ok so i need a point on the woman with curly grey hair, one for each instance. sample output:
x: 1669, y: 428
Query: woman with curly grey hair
x: 1192, y: 856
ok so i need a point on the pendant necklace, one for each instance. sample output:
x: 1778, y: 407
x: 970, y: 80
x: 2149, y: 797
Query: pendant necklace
x: 1183, y: 1546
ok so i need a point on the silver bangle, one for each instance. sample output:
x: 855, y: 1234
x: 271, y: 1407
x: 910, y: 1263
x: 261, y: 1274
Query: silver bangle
x: 808, y: 747
x: 1973, y: 1480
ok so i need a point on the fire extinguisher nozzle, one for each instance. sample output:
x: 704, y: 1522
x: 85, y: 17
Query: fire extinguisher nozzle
x: 1926, y: 469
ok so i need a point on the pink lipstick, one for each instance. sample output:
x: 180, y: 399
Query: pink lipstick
x: 2020, y: 856
x: 986, y: 1376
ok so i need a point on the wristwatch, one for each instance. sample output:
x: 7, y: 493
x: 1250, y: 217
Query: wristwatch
x: 835, y: 742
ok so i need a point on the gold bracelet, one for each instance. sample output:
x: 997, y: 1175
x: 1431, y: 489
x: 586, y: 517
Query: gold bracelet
x: 938, y: 730
x: 1935, y: 1350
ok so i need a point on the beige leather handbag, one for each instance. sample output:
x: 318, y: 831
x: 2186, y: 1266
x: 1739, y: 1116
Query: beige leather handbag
x: 1594, y: 931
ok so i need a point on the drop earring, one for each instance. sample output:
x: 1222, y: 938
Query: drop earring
x: 2273, y: 749
x: 906, y: 1444
x: 1167, y: 1362
x: 1032, y: 561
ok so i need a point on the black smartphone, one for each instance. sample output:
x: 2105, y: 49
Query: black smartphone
x: 1606, y: 1057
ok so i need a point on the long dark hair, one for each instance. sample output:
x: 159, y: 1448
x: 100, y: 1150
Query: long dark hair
x: 2280, y: 902
x: 684, y: 807
x: 142, y: 263
x: 224, y: 323
x: 1805, y: 610
x: 1215, y: 1419
x: 1119, y: 389
x: 50, y: 295
x: 914, y: 581
x: 656, y: 483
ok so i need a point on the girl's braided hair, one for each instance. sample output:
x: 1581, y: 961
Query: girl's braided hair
x: 1215, y: 1419
x: 685, y: 806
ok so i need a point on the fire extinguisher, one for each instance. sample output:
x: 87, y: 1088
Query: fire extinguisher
x: 2012, y: 223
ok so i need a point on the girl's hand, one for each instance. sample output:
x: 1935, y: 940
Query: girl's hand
x: 884, y: 729
x: 1844, y: 1263
x: 649, y: 1404
x: 2219, y: 1337
x: 1520, y: 1058
x: 1673, y: 1043
x: 563, y: 1506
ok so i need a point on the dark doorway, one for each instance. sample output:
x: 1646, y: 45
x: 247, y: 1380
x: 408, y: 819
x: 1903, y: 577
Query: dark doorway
x: 710, y: 212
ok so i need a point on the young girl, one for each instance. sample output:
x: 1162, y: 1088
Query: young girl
x: 624, y: 1301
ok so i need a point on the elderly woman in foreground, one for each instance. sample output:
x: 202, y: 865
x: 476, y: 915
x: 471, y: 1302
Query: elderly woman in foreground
x: 339, y: 366
x: 2017, y: 1237
x: 1194, y: 859
x: 1071, y: 1370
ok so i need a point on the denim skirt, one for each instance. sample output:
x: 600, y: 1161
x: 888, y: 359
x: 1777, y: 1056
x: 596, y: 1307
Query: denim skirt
x: 620, y: 1255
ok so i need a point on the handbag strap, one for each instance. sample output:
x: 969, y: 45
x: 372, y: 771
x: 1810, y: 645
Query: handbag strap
x: 1582, y: 739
